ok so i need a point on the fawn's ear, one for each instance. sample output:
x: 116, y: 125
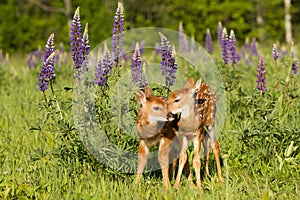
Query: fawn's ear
x: 140, y: 97
x: 189, y: 83
x: 148, y: 92
x: 196, y: 87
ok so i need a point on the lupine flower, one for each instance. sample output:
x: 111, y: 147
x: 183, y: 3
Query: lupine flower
x: 292, y: 49
x: 86, y: 47
x: 172, y: 67
x: 182, y: 40
x: 295, y: 66
x: 136, y: 65
x: 103, y: 67
x: 169, y: 61
x: 208, y: 42
x: 117, y: 34
x: 247, y: 44
x: 143, y: 77
x: 284, y: 52
x: 164, y: 47
x: 219, y: 33
x: 38, y: 53
x: 254, y: 50
x: 261, y: 75
x: 275, y: 52
x: 47, y: 73
x: 76, y: 43
x: 31, y: 61
x: 49, y: 47
x: 224, y: 47
x: 142, y: 47
x: 233, y: 56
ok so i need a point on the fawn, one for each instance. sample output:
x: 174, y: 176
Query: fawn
x: 197, y: 104
x: 152, y: 127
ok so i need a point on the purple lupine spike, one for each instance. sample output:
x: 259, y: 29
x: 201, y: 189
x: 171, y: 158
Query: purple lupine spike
x: 49, y: 47
x: 164, y: 47
x: 31, y: 61
x: 136, y: 65
x: 208, y: 41
x: 118, y: 34
x: 275, y: 52
x: 99, y: 78
x: 182, y: 40
x: 247, y: 45
x: 107, y: 60
x: 261, y: 75
x: 253, y: 48
x: 224, y: 47
x: 219, y: 33
x: 142, y: 47
x: 233, y: 56
x: 39, y: 54
x: 172, y: 67
x: 295, y: 66
x: 47, y: 73
x: 143, y: 77
x: 76, y: 44
x: 292, y: 49
x: 168, y: 61
x: 103, y: 67
x: 86, y: 47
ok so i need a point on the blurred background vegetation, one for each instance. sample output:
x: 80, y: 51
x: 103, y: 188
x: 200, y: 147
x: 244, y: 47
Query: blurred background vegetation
x: 26, y: 24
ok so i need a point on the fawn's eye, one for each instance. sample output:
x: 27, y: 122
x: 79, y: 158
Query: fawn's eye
x: 157, y: 108
x: 200, y: 101
x: 177, y: 101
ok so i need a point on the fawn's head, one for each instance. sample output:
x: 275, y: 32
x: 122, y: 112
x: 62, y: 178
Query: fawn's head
x: 154, y: 108
x: 184, y: 98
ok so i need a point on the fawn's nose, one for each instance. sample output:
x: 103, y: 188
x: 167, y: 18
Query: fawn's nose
x: 170, y: 116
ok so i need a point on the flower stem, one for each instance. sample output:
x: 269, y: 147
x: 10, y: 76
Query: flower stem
x: 56, y: 101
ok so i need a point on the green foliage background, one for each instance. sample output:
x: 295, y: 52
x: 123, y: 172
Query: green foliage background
x: 24, y: 25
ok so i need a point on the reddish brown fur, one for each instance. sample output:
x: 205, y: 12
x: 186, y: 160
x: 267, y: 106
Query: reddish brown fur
x: 153, y: 132
x: 197, y: 104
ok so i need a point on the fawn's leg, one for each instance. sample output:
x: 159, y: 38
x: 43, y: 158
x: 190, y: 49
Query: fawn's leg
x: 163, y: 158
x: 182, y: 161
x: 142, y: 160
x: 196, y: 162
x: 216, y: 150
x: 207, y: 149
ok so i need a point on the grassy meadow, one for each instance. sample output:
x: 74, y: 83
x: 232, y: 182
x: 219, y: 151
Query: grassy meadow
x: 42, y: 157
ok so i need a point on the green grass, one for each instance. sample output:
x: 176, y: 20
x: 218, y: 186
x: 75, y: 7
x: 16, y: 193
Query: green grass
x: 43, y: 158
